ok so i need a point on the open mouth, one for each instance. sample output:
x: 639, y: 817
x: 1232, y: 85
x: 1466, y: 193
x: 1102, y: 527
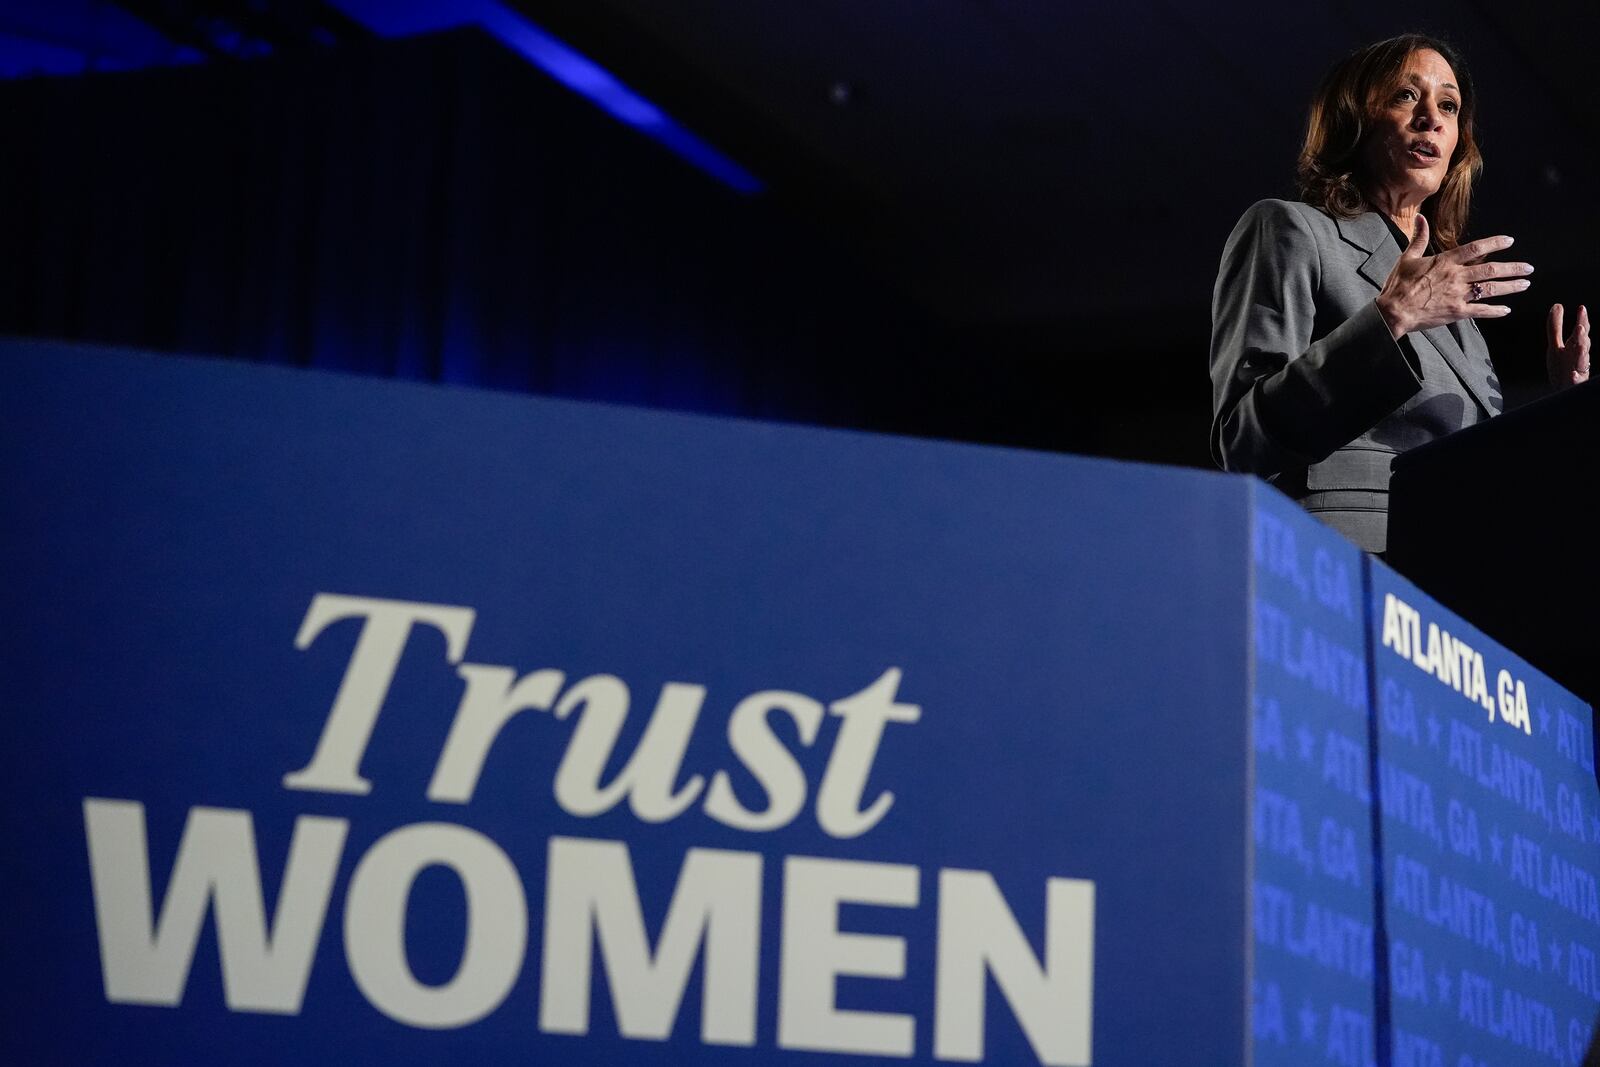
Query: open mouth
x: 1423, y: 151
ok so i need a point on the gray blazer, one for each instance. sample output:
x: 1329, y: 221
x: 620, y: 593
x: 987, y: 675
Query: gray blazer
x: 1308, y: 389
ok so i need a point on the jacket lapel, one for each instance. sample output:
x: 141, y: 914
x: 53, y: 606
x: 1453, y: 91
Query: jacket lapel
x: 1370, y: 233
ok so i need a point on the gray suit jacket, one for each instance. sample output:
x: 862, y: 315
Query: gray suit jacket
x: 1307, y: 387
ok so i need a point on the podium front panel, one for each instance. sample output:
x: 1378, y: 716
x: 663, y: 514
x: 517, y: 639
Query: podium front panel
x: 358, y: 721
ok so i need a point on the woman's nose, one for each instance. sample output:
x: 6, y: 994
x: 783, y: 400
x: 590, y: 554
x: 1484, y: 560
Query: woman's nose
x: 1425, y: 118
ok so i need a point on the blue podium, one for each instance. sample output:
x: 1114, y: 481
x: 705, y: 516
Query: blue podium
x: 367, y: 721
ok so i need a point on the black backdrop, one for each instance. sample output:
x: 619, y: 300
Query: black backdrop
x: 428, y: 208
x: 434, y: 208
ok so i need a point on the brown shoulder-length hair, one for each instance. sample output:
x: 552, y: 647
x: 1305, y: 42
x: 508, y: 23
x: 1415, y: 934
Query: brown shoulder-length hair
x: 1349, y: 99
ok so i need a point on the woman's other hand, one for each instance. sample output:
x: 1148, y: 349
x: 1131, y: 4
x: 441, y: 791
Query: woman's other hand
x: 1425, y: 291
x: 1567, y: 361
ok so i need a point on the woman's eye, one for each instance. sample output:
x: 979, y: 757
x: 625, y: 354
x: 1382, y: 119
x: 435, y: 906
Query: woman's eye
x: 1405, y: 94
x: 1450, y: 106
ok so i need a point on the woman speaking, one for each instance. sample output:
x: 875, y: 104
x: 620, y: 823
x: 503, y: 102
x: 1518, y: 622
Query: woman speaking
x: 1344, y: 325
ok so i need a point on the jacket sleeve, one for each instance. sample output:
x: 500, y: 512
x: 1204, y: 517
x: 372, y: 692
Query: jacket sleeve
x: 1280, y: 399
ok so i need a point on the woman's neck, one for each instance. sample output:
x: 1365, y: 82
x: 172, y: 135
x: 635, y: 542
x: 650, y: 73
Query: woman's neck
x: 1401, y: 209
x: 1405, y: 218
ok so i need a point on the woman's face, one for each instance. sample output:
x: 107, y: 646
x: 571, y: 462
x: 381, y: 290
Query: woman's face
x: 1414, y: 134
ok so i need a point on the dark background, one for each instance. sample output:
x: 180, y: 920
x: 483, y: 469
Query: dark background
x: 993, y: 220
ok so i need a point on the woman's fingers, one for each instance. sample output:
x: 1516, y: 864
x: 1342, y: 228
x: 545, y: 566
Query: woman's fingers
x: 1482, y: 272
x: 1419, y: 239
x: 1567, y: 360
x: 1580, y: 337
x: 1472, y: 250
x: 1487, y: 289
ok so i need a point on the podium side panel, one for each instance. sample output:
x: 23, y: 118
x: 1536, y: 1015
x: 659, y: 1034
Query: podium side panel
x: 1491, y: 843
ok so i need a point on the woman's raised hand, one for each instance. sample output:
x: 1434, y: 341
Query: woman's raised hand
x: 1426, y: 291
x: 1567, y: 361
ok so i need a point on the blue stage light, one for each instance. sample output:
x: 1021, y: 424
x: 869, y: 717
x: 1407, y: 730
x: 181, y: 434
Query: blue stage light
x: 559, y: 60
